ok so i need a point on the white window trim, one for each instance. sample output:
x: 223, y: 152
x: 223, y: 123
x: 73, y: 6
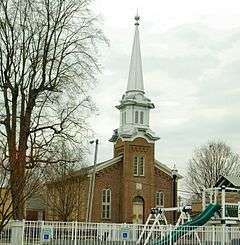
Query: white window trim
x: 107, y: 204
x: 135, y: 165
x: 138, y: 162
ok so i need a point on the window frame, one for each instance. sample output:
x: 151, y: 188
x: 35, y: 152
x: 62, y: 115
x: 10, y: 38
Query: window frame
x: 159, y: 199
x: 106, y: 204
x: 135, y: 166
x: 137, y: 160
x: 136, y: 116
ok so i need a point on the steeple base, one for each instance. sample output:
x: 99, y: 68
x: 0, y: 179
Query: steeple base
x: 133, y: 133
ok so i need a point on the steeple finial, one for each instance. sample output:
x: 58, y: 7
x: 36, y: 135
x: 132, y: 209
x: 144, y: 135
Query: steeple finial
x: 135, y: 78
x: 137, y: 18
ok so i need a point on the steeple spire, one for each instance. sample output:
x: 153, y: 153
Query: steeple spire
x: 135, y: 77
x: 135, y: 106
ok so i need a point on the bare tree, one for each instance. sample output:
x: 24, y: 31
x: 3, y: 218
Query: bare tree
x: 64, y: 185
x: 33, y: 180
x: 208, y: 163
x: 48, y: 61
x: 63, y: 194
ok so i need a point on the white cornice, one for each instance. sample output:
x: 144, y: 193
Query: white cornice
x: 166, y: 169
x: 106, y: 164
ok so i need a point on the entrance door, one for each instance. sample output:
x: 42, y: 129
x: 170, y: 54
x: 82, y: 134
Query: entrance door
x: 138, y: 210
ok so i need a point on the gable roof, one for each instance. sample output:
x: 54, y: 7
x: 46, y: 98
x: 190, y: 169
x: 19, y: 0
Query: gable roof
x: 106, y: 164
x: 166, y: 169
x: 118, y: 159
x: 228, y: 180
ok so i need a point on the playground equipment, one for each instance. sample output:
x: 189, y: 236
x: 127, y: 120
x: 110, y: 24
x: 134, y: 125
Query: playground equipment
x: 228, y: 198
x: 157, y: 217
x: 189, y: 226
x: 215, y: 210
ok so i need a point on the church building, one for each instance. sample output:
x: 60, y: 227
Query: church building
x: 133, y: 181
x: 126, y: 187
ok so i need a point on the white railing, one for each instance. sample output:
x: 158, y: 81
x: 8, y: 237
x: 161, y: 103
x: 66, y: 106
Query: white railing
x: 5, y: 235
x: 76, y: 233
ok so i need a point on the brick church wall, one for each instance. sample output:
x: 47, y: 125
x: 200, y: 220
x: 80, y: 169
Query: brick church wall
x: 108, y: 178
x: 164, y: 183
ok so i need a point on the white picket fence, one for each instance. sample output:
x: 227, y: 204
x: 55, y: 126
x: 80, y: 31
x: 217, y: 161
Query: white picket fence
x: 76, y: 233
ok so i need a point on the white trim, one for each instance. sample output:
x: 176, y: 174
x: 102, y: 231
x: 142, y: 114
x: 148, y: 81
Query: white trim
x: 137, y: 136
x: 106, y: 164
x: 138, y: 164
x: 165, y: 169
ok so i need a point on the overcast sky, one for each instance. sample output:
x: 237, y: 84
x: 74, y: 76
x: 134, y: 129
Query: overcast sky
x: 191, y: 67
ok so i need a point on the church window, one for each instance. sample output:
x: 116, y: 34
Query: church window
x: 141, y: 166
x: 106, y: 203
x: 136, y: 116
x: 141, y: 117
x: 138, y: 166
x: 159, y: 199
x: 135, y: 166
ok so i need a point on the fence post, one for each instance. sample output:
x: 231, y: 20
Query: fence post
x: 223, y: 234
x: 170, y: 234
x: 75, y: 232
x: 23, y: 231
x: 17, y: 232
x: 213, y: 234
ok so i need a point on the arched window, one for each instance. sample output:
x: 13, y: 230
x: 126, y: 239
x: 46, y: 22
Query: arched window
x: 159, y: 199
x: 106, y: 203
x: 138, y: 200
x: 136, y: 116
x: 138, y: 166
x: 141, y: 117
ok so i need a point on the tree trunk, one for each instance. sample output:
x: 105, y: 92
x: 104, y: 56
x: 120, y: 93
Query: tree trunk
x: 17, y: 183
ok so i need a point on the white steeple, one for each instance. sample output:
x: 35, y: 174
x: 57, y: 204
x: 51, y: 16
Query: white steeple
x: 135, y: 106
x: 135, y: 77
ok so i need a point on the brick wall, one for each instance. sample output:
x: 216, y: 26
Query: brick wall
x: 137, y: 147
x: 164, y: 183
x: 153, y: 180
x: 108, y: 178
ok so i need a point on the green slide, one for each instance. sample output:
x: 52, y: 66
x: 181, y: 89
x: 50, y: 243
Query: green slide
x: 182, y: 230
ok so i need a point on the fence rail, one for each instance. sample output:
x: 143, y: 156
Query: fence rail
x: 76, y: 233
